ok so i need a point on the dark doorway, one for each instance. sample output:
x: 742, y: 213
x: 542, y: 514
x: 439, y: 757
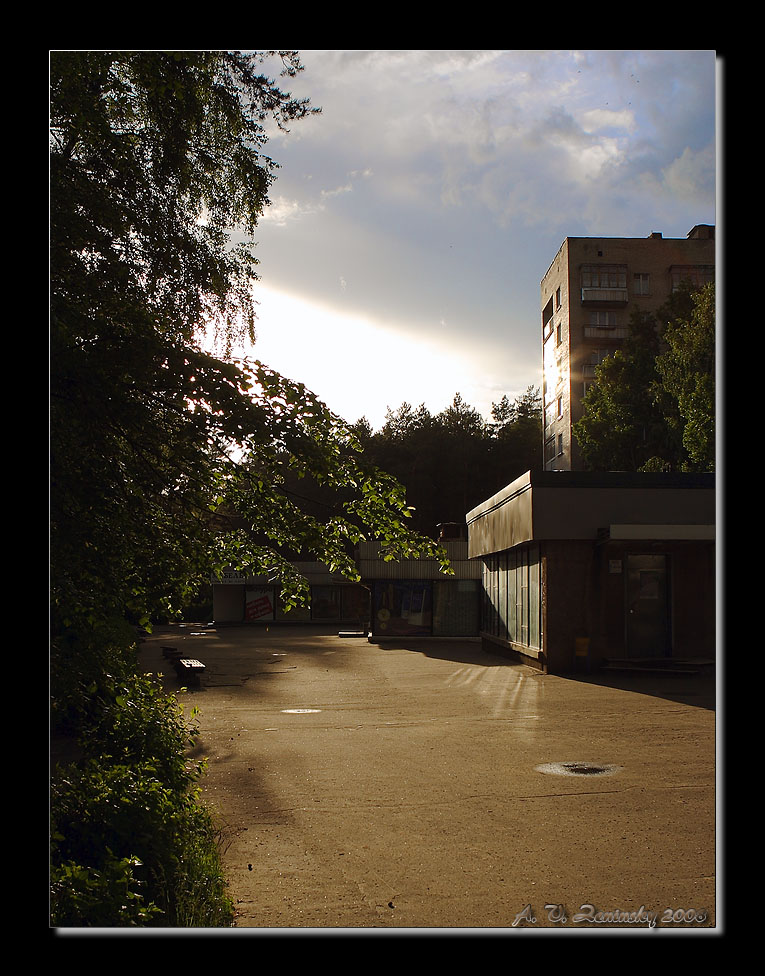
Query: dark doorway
x: 647, y: 606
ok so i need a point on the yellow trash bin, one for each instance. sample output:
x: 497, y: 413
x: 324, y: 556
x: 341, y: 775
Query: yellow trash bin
x: 582, y: 653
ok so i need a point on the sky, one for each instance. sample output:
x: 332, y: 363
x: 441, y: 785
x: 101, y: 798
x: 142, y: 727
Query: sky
x: 411, y: 222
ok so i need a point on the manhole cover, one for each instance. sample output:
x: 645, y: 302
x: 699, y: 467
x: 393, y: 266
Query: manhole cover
x: 578, y: 769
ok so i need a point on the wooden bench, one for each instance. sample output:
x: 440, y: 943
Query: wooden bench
x: 189, y: 667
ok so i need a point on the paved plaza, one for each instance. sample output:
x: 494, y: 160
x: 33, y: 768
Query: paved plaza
x: 433, y: 786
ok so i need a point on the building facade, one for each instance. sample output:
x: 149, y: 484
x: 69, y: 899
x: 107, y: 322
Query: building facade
x: 239, y: 598
x: 408, y: 598
x: 598, y: 566
x: 587, y: 297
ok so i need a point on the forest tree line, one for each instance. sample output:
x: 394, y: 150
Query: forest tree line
x: 451, y: 461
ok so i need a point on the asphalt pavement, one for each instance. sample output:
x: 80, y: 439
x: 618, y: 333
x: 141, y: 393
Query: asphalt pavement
x: 431, y: 788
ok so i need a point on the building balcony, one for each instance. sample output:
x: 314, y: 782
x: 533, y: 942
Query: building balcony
x: 606, y: 331
x: 612, y: 296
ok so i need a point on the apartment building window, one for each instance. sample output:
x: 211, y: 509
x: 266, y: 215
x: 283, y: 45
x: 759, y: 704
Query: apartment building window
x: 604, y: 319
x: 604, y: 276
x: 547, y: 323
x: 557, y: 298
x: 596, y: 358
x: 560, y: 444
x: 559, y: 334
x: 598, y: 355
x: 560, y: 407
x: 641, y: 284
x: 550, y: 450
x: 697, y: 275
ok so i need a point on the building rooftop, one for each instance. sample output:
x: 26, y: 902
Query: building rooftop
x: 581, y: 504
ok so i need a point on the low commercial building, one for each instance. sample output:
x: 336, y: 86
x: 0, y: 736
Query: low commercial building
x: 239, y: 598
x: 402, y: 598
x: 413, y: 598
x: 579, y: 568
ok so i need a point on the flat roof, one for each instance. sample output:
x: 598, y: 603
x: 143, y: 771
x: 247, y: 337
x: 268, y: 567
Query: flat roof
x: 654, y: 480
x: 578, y: 504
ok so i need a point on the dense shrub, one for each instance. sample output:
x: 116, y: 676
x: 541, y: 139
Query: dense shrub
x: 132, y: 844
x: 127, y: 850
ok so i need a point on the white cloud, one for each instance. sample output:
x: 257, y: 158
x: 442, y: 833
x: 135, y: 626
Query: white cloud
x: 338, y: 191
x: 283, y: 211
x: 598, y: 119
x: 692, y: 175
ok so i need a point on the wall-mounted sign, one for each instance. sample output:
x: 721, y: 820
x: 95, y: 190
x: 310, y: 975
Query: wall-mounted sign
x: 230, y: 576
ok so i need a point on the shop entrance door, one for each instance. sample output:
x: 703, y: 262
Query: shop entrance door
x: 647, y: 606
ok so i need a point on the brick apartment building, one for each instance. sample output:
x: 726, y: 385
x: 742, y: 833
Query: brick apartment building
x: 587, y: 297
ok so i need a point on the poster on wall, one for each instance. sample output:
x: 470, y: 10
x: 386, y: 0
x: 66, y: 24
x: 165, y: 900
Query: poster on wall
x: 259, y: 604
x: 403, y: 607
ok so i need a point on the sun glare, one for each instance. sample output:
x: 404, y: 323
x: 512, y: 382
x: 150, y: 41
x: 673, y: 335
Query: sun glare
x: 358, y: 367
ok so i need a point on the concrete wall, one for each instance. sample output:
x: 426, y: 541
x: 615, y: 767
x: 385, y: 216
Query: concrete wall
x: 570, y: 585
x: 373, y: 567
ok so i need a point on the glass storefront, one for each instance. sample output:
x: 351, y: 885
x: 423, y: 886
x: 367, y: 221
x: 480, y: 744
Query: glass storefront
x: 425, y: 608
x: 511, y: 604
x: 344, y: 602
x: 402, y: 608
x: 455, y: 608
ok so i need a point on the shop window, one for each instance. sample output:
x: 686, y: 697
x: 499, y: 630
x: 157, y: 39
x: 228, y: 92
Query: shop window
x: 455, y: 608
x: 403, y: 607
x: 511, y: 609
x: 325, y: 602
